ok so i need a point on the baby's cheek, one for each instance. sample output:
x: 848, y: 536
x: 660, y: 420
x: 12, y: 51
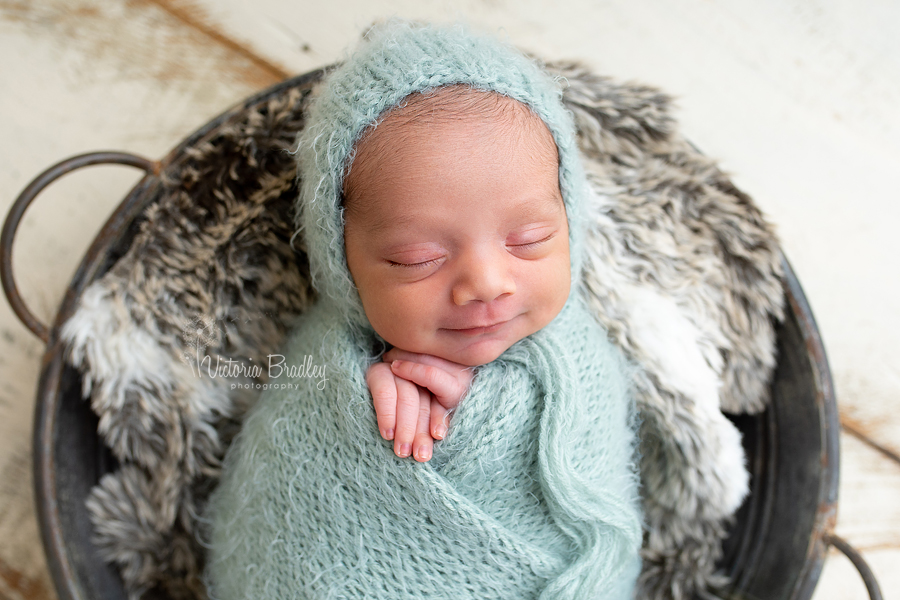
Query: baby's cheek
x: 400, y: 324
x: 557, y: 290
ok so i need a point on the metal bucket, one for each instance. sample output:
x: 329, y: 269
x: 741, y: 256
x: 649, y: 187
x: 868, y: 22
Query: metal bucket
x: 775, y: 550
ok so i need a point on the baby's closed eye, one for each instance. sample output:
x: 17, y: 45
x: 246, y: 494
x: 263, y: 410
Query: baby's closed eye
x: 530, y: 241
x: 417, y: 257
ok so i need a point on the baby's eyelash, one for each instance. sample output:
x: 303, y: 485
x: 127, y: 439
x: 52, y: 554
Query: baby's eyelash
x: 534, y: 243
x: 418, y: 265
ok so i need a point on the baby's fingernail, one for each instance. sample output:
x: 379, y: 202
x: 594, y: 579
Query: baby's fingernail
x: 423, y: 454
x: 440, y: 431
x: 387, y: 434
x: 403, y: 450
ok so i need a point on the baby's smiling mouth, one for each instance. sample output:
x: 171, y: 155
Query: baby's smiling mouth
x: 479, y: 329
x: 476, y: 326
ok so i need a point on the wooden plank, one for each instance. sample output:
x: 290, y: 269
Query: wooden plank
x: 869, y: 511
x: 79, y: 76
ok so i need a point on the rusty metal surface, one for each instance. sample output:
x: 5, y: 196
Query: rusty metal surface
x: 828, y: 430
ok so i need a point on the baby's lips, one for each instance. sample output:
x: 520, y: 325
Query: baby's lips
x: 489, y: 321
x: 480, y: 329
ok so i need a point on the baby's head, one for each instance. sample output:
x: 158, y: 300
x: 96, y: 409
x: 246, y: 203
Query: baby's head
x: 455, y: 227
x: 441, y: 193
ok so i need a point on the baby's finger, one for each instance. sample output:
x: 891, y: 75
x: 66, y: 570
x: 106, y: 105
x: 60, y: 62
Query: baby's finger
x: 426, y: 359
x: 440, y: 420
x: 424, y: 443
x: 382, y: 384
x: 446, y: 388
x: 407, y: 417
x: 398, y: 354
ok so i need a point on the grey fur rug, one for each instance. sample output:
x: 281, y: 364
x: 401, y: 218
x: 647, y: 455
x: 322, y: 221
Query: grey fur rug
x: 683, y: 271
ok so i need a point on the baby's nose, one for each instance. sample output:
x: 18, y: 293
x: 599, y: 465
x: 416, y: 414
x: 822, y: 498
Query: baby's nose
x: 483, y: 279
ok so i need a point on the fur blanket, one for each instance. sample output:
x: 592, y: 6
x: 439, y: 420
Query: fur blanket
x: 683, y: 271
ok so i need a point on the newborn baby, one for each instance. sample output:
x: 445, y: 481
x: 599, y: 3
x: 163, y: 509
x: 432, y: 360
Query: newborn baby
x: 441, y: 210
x: 453, y: 265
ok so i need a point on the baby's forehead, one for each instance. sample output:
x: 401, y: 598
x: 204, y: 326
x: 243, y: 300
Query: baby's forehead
x: 446, y: 106
x: 419, y: 163
x: 431, y: 114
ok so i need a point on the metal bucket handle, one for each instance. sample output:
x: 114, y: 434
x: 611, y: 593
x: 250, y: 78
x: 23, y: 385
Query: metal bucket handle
x: 859, y: 562
x: 18, y: 208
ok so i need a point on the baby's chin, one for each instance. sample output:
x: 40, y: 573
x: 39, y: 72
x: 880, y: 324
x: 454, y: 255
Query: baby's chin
x: 469, y: 349
x: 477, y: 354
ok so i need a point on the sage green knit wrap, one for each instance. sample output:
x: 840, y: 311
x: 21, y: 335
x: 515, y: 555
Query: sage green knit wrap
x: 533, y: 493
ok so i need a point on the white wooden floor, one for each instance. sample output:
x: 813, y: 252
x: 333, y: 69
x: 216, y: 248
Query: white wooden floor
x: 797, y: 99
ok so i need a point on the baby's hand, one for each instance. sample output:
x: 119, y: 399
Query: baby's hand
x: 414, y: 395
x: 447, y: 381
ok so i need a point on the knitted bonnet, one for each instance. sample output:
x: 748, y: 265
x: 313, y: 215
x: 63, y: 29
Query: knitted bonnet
x: 395, y: 60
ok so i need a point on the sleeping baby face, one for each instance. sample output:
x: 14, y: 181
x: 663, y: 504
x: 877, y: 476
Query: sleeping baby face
x: 455, y: 228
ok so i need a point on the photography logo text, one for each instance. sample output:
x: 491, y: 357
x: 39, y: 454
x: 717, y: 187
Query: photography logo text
x: 202, y: 332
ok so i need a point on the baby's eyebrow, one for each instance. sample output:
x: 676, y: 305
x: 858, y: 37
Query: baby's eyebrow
x: 384, y: 222
x: 536, y: 206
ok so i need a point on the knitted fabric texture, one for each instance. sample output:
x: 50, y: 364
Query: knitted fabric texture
x: 533, y: 493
